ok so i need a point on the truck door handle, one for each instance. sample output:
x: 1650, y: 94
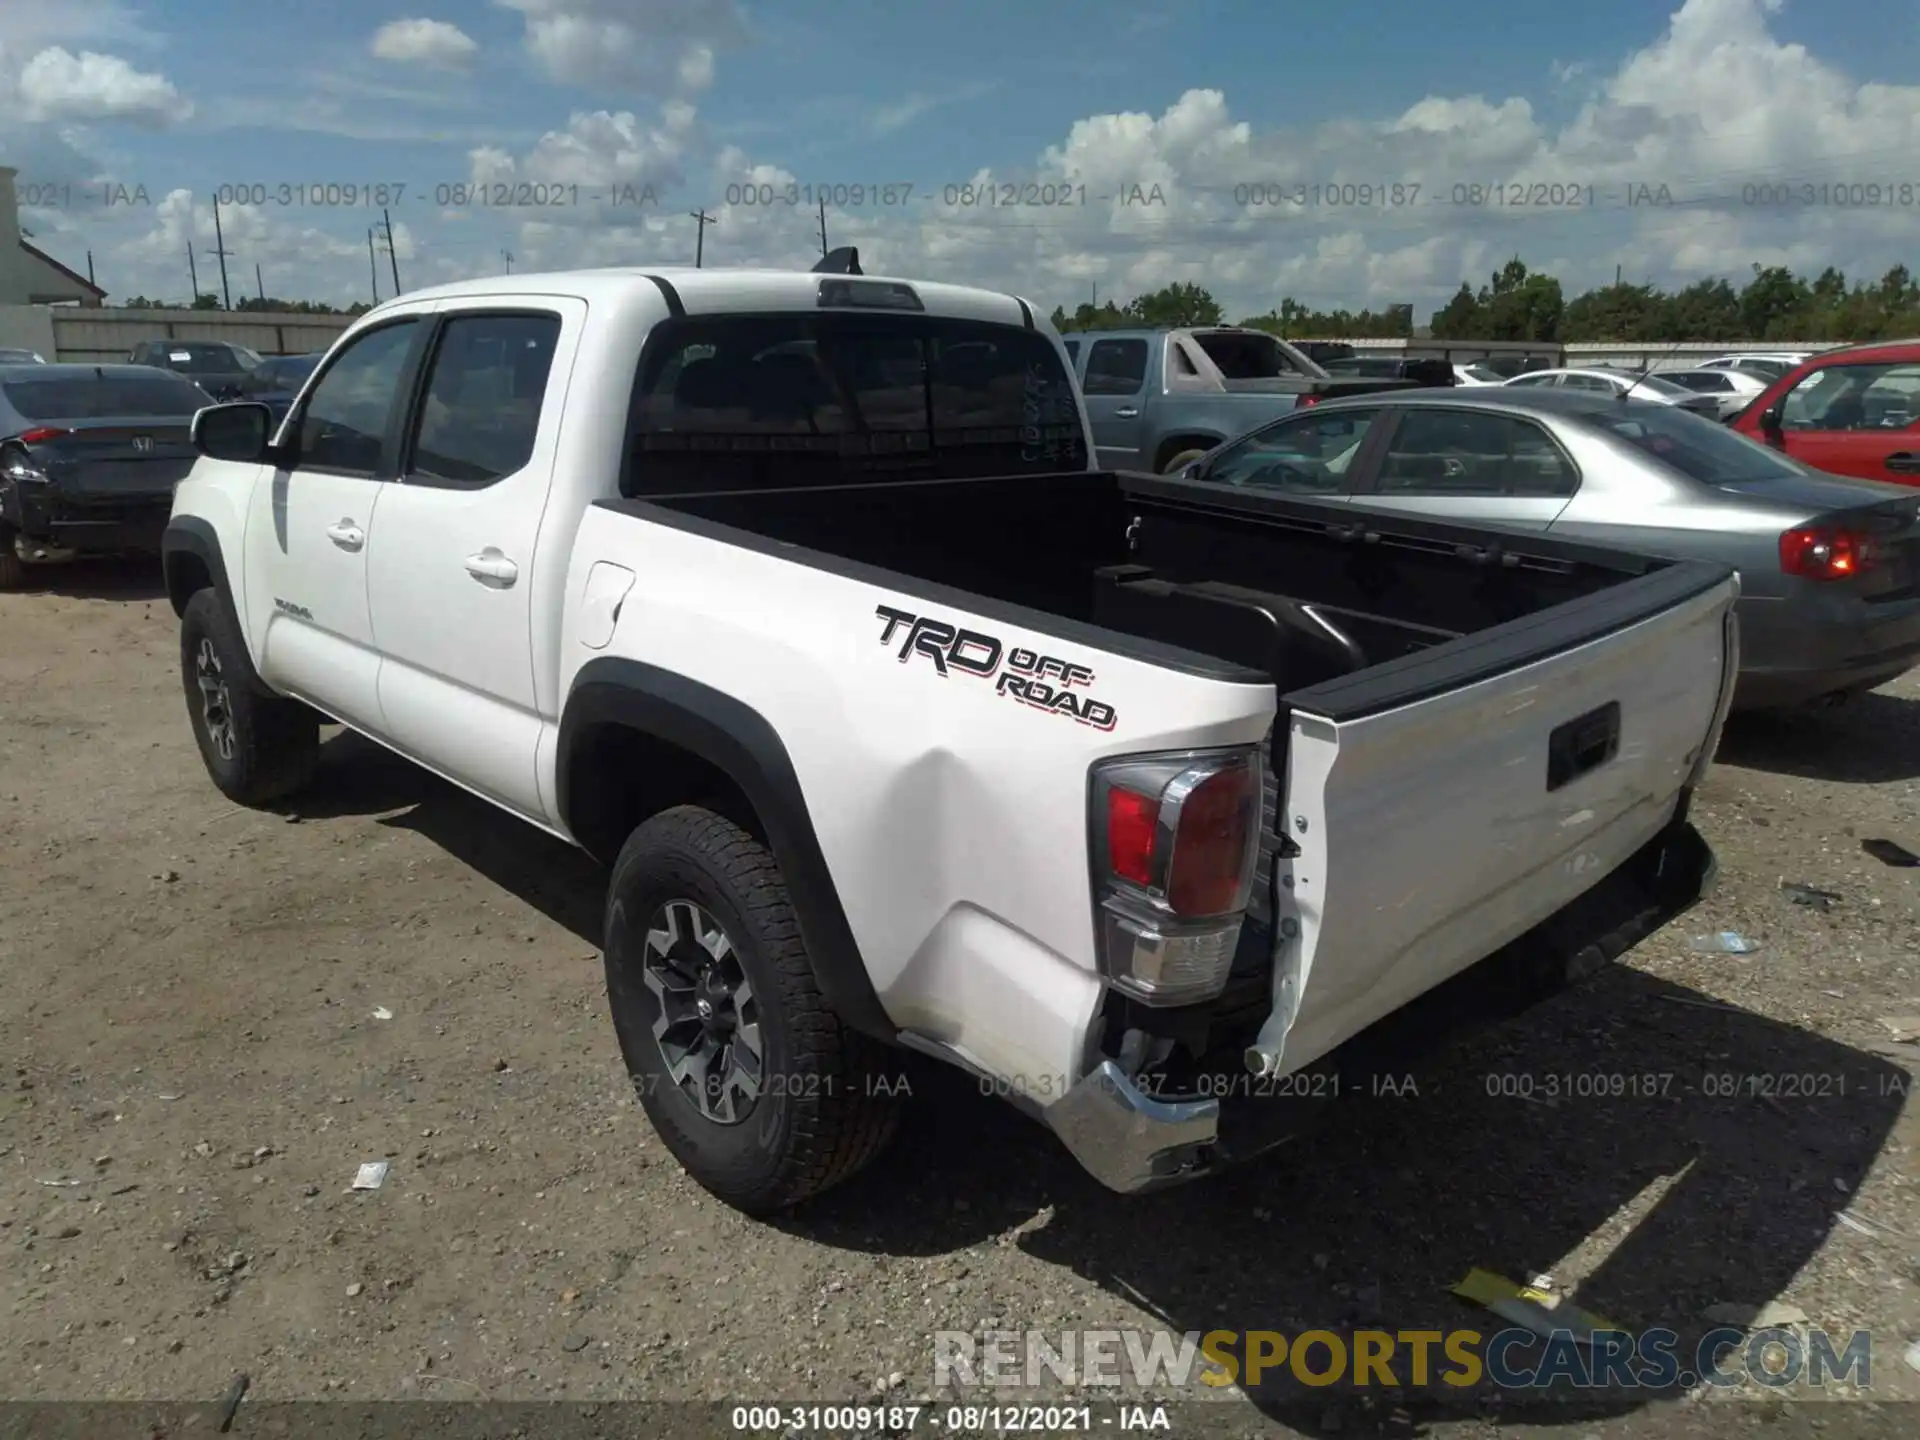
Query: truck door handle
x: 1128, y: 412
x: 491, y: 567
x: 1904, y: 462
x: 346, y: 534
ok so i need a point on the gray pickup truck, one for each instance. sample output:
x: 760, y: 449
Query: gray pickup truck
x: 1160, y: 399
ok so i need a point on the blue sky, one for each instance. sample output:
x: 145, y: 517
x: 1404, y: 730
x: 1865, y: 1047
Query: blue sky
x: 680, y: 103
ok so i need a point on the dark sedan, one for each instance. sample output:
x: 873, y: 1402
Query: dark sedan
x: 1829, y: 566
x: 89, y: 456
x: 219, y: 367
x: 276, y: 381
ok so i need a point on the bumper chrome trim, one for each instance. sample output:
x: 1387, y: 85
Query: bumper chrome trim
x: 1126, y: 1139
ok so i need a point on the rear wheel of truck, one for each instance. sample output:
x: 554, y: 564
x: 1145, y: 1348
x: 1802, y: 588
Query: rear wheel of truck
x: 258, y: 747
x: 1181, y: 461
x: 749, y: 1077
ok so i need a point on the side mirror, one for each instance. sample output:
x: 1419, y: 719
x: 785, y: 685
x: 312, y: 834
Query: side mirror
x: 239, y: 431
x: 1770, y: 420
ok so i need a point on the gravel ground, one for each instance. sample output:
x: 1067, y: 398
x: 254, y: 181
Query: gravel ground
x: 197, y: 1056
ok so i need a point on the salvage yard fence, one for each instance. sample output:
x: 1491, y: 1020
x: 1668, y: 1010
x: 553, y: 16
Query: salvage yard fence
x: 79, y: 335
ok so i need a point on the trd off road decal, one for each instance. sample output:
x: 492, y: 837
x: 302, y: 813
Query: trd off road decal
x: 1042, y: 681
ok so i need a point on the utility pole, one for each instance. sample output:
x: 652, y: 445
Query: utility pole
x: 1616, y: 275
x: 700, y: 241
x: 393, y: 259
x: 220, y: 249
x: 193, y: 272
x: 89, y: 267
x: 507, y: 255
x: 373, y: 269
x: 259, y: 283
x: 823, y: 227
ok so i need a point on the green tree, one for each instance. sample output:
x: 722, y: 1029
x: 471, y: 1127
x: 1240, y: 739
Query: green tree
x: 1179, y: 304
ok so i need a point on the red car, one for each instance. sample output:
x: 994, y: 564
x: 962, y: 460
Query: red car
x: 1849, y: 412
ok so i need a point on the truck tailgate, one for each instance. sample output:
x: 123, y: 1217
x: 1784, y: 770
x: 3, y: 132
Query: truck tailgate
x: 1436, y: 822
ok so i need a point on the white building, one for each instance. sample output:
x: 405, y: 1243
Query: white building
x: 28, y: 275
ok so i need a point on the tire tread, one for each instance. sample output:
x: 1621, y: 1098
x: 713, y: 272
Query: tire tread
x: 842, y: 1124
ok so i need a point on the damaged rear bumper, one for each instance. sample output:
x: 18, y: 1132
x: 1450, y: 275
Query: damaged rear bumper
x: 1132, y: 1136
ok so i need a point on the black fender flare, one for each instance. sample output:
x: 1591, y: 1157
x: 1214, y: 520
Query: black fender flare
x: 191, y: 535
x: 737, y: 740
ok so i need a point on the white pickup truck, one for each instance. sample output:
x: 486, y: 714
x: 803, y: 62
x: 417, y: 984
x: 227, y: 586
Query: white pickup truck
x: 797, y: 600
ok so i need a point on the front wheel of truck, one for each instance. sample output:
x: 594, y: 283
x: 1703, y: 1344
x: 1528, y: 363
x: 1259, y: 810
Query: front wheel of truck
x: 749, y: 1077
x: 258, y: 747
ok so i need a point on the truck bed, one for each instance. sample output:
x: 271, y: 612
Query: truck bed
x: 1346, y: 611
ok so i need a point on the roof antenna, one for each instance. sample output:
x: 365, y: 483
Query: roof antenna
x: 844, y: 261
x: 1648, y: 370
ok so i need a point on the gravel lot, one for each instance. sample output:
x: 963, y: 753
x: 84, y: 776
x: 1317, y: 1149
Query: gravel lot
x: 194, y: 1069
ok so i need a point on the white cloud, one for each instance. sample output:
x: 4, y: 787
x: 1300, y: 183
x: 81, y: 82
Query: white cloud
x: 57, y: 85
x: 424, y: 42
x: 1711, y: 107
x: 653, y: 46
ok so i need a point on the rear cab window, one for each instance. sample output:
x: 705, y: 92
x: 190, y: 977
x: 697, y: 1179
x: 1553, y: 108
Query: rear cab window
x: 745, y: 402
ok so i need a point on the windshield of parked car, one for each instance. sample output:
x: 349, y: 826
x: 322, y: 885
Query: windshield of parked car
x: 1484, y: 372
x: 1695, y: 446
x: 102, y: 398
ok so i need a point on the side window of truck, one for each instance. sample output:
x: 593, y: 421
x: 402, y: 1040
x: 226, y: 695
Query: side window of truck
x: 344, y: 425
x: 1464, y: 452
x: 481, y: 410
x: 1116, y: 367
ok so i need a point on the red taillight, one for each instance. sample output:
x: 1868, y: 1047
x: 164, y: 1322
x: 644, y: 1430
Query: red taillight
x: 1132, y: 824
x: 1306, y: 401
x: 42, y: 433
x: 1172, y: 882
x: 1210, y: 845
x: 1818, y: 553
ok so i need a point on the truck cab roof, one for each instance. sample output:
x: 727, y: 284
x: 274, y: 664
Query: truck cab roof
x: 719, y: 291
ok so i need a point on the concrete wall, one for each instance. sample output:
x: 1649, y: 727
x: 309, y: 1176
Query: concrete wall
x: 72, y: 333
x: 1658, y: 357
x: 28, y: 327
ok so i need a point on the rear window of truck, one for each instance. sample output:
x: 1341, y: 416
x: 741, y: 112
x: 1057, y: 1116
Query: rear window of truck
x: 104, y: 399
x: 772, y: 401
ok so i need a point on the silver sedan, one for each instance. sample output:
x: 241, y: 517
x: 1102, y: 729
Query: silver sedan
x: 1603, y: 380
x: 1829, y: 566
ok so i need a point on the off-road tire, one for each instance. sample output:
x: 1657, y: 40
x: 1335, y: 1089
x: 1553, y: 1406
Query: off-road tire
x: 827, y: 1105
x: 1180, y: 461
x: 275, y: 742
